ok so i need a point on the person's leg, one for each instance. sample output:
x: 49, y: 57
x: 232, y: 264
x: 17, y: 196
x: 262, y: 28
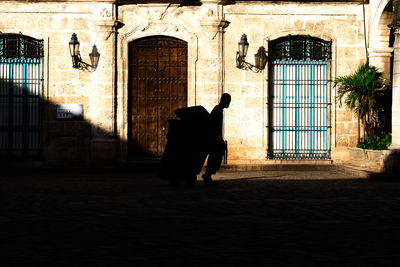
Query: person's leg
x: 213, y: 165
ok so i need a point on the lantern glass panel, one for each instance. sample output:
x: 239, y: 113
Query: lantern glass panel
x: 94, y: 56
x: 243, y: 46
x: 243, y: 49
x: 74, y: 46
x: 74, y: 49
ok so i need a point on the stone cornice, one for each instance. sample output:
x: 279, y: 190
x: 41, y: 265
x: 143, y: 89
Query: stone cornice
x: 380, y: 51
x: 62, y: 1
x: 182, y: 2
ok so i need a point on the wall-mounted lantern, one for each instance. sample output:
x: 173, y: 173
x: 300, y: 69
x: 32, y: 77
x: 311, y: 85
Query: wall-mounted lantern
x: 76, y: 56
x: 260, y: 57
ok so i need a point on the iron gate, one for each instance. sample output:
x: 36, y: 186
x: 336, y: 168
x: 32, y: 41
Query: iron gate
x: 20, y: 89
x: 299, y: 99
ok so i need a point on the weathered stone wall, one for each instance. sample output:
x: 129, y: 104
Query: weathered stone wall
x: 246, y: 120
x: 67, y: 141
x: 211, y: 65
x: 212, y: 69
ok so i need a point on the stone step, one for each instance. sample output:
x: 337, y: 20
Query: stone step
x: 278, y: 167
x: 146, y: 164
x: 151, y: 166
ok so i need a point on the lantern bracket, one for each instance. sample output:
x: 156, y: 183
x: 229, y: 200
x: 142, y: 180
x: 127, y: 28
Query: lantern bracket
x: 260, y: 57
x: 77, y: 61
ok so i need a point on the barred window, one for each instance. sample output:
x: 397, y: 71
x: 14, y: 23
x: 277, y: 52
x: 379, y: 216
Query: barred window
x: 299, y: 48
x: 20, y: 46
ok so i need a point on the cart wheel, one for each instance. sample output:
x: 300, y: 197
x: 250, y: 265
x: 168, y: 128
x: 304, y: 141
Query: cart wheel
x: 191, y: 180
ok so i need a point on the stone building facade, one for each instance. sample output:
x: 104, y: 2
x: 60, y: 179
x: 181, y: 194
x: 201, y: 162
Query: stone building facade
x: 198, y: 40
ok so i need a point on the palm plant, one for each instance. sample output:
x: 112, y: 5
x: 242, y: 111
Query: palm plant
x: 359, y: 91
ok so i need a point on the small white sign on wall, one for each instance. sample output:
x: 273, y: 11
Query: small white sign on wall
x: 69, y: 111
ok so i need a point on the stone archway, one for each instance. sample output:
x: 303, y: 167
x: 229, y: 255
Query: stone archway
x: 157, y: 86
x: 380, y: 47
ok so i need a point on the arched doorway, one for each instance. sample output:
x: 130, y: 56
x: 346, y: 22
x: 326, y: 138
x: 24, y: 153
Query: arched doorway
x: 299, y: 99
x: 20, y: 95
x: 157, y: 86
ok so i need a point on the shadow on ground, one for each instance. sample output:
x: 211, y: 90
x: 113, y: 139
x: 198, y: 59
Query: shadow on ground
x: 251, y: 219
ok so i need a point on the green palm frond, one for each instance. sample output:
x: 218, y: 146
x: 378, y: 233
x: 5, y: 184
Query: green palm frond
x: 357, y: 91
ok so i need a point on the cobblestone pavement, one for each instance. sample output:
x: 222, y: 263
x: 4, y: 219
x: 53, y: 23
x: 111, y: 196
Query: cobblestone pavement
x: 250, y: 219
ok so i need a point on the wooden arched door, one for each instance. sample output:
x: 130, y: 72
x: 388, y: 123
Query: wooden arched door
x: 157, y: 86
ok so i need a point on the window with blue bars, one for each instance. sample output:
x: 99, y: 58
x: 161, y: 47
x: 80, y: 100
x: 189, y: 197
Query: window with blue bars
x: 299, y: 99
x: 20, y: 95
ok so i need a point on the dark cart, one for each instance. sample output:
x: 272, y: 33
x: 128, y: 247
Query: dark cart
x: 187, y: 145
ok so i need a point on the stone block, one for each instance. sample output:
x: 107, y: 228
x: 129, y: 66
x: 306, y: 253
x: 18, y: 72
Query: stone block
x: 84, y: 76
x: 310, y: 24
x: 236, y: 153
x: 251, y: 77
x: 8, y: 23
x: 60, y: 50
x: 68, y: 151
x: 54, y: 100
x: 66, y: 89
x: 78, y: 100
x: 252, y: 102
x: 353, y: 140
x: 64, y: 63
x: 350, y: 128
x: 67, y: 76
x: 232, y: 129
x: 255, y: 141
x: 79, y: 24
x: 73, y: 128
x: 106, y: 102
x: 102, y: 89
x: 299, y: 24
x: 340, y: 154
x: 104, y: 150
x: 234, y: 76
x: 104, y: 128
x: 391, y: 161
x: 85, y: 38
x: 234, y: 141
x: 65, y: 23
x: 55, y: 128
x: 246, y: 154
x: 345, y: 116
x: 342, y: 140
x: 340, y: 128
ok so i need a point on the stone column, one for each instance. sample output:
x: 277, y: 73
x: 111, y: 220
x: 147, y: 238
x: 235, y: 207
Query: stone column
x: 380, y: 57
x: 396, y: 93
x: 210, y: 72
x: 104, y: 145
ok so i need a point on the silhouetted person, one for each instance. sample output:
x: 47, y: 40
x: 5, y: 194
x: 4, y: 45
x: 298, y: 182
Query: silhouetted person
x: 217, y: 144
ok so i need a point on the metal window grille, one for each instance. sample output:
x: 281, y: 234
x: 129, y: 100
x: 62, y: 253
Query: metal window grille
x: 299, y: 99
x: 20, y: 93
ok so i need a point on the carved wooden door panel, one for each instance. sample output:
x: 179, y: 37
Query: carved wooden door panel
x: 158, y: 86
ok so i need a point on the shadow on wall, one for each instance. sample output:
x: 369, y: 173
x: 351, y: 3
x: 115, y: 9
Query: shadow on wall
x: 32, y: 130
x: 391, y: 168
x: 391, y: 164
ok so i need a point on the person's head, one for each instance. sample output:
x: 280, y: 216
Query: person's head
x: 225, y: 100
